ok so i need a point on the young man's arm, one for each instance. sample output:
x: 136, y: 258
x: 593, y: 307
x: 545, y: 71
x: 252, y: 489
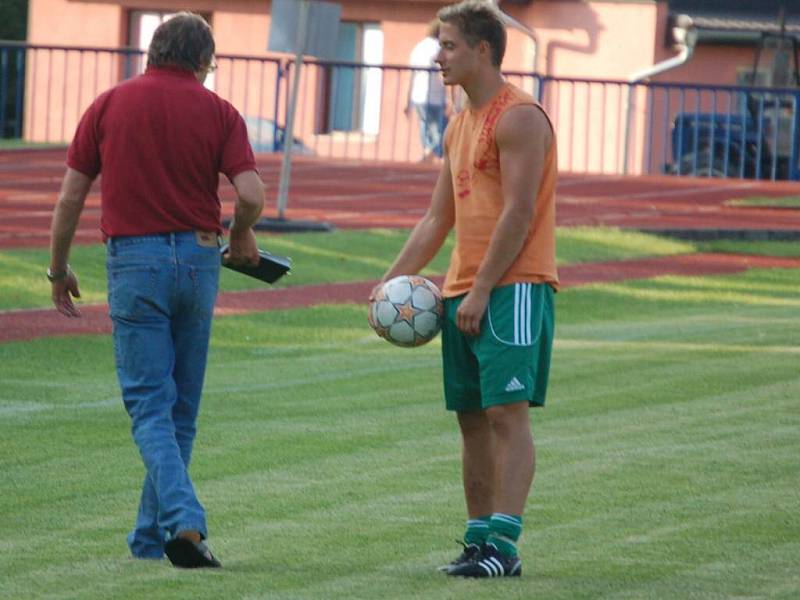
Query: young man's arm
x: 64, y: 284
x: 523, y: 137
x: 429, y: 234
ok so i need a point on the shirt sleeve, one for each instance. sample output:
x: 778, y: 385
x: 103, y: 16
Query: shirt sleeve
x: 84, y: 151
x: 237, y: 154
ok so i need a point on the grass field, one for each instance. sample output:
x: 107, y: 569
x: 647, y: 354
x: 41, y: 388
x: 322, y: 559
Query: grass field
x: 318, y: 258
x: 668, y: 452
x: 760, y: 201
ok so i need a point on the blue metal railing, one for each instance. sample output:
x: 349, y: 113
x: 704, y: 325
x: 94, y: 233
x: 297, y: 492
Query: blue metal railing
x: 726, y: 131
x: 358, y: 111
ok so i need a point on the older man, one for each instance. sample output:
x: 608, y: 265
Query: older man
x: 160, y: 141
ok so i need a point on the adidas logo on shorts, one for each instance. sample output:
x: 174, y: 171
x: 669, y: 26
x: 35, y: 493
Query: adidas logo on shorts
x: 514, y: 385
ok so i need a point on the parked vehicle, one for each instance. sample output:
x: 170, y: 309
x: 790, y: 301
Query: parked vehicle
x: 757, y: 138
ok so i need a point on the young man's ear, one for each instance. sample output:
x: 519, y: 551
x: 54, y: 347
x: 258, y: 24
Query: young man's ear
x: 485, y: 49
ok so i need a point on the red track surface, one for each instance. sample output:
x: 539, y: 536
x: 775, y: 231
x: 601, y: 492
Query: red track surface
x: 383, y: 195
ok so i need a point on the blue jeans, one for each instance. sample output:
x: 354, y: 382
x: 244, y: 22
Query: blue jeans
x: 432, y: 123
x: 161, y: 294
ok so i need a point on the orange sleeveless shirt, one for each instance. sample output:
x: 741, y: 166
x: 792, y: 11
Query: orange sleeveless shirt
x: 475, y: 171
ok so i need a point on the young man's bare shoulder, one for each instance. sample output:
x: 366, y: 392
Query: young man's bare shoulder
x: 523, y: 122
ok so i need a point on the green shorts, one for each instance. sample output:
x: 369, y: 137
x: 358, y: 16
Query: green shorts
x: 510, y: 360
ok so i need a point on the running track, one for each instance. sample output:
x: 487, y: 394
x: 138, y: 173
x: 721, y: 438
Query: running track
x: 353, y: 195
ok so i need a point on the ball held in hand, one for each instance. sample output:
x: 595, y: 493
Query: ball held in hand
x: 407, y: 311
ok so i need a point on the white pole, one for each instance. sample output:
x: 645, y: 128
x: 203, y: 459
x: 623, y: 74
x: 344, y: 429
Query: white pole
x: 288, y: 134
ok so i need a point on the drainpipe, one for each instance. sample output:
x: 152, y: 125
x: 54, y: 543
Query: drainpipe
x: 685, y: 37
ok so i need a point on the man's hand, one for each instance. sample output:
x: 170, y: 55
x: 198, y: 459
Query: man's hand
x: 62, y: 292
x: 242, y: 249
x: 470, y: 312
x: 66, y: 214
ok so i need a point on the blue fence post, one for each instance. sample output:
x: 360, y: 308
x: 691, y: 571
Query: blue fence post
x: 793, y: 158
x: 775, y: 140
x: 20, y: 86
x: 712, y: 144
x: 3, y: 88
x: 278, y: 77
x: 760, y: 143
x: 665, y: 137
x: 728, y: 135
x: 540, y: 83
x: 696, y: 135
x: 682, y: 119
x: 650, y: 130
x: 743, y: 138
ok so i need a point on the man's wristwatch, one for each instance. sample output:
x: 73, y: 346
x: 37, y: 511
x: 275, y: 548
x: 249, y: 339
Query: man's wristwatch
x: 57, y: 276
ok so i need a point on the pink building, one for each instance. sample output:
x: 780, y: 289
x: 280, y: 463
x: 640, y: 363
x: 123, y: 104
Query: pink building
x: 598, y: 125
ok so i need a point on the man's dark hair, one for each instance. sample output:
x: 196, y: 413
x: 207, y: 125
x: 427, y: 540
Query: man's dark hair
x: 478, y: 20
x: 183, y: 41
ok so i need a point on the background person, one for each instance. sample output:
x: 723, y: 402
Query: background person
x: 497, y: 188
x: 427, y: 95
x: 160, y: 141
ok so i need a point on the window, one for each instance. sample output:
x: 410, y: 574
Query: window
x: 352, y: 95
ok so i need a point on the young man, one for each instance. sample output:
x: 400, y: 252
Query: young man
x: 497, y: 188
x: 160, y: 141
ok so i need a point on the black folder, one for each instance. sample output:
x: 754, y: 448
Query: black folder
x: 270, y: 268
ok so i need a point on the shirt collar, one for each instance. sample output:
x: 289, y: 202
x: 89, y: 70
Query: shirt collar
x: 170, y: 70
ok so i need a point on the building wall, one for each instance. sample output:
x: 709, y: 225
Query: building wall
x: 241, y: 27
x: 74, y: 23
x: 606, y: 40
x: 602, y: 39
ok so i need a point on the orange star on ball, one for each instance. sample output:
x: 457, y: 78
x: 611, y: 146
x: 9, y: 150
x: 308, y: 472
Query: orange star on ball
x: 406, y: 313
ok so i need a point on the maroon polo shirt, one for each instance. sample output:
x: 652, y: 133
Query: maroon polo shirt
x: 160, y: 141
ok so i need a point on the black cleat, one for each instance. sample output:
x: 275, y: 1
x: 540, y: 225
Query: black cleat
x: 468, y: 555
x: 186, y: 554
x: 489, y: 563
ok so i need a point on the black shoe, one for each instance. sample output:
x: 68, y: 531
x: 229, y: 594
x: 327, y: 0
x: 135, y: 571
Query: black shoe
x: 186, y: 554
x: 489, y: 563
x: 468, y: 555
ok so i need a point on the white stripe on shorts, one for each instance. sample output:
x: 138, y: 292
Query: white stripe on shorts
x: 522, y: 314
x: 517, y: 294
x: 529, y: 287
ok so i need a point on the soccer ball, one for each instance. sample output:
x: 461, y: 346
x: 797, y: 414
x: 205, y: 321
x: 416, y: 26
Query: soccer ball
x: 407, y: 311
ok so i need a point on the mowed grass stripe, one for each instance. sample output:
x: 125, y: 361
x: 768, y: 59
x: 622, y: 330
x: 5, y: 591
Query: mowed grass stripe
x: 340, y: 256
x: 667, y: 458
